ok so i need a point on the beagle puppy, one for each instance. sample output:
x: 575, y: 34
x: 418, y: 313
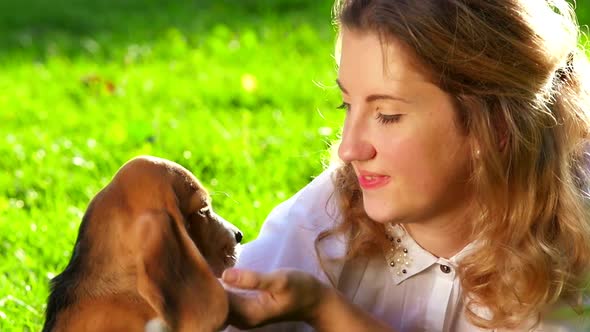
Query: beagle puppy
x: 149, y: 251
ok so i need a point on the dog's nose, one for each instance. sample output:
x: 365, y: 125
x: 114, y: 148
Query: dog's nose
x: 239, y: 236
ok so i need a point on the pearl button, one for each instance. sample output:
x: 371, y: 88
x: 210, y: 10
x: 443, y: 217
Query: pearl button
x: 445, y: 268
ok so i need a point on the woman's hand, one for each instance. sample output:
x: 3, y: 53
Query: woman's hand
x: 283, y: 295
x: 291, y: 295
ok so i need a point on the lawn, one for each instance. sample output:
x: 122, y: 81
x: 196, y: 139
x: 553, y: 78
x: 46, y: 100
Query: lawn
x: 241, y: 93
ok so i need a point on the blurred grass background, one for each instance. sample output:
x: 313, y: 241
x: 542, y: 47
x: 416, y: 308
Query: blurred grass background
x: 240, y: 92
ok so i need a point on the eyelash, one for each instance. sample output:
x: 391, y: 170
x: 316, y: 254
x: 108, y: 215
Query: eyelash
x: 387, y: 118
x: 344, y: 106
x: 382, y: 118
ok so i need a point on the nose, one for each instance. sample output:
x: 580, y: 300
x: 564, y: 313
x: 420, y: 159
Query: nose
x: 355, y: 144
x: 238, y: 236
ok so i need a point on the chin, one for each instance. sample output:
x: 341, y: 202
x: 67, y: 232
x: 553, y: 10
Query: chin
x: 377, y: 213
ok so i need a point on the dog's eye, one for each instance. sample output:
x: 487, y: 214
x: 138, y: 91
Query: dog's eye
x: 204, y: 212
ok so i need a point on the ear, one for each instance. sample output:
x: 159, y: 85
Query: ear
x: 501, y: 128
x: 174, y: 278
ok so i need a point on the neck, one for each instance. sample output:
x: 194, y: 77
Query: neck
x: 444, y: 236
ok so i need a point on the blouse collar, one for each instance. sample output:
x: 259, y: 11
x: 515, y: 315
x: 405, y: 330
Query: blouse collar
x: 406, y: 258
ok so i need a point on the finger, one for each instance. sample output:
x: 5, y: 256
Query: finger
x: 247, y: 311
x: 246, y: 279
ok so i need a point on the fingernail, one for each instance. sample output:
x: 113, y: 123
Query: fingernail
x: 230, y: 275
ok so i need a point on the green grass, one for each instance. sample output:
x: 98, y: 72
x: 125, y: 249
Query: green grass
x: 239, y: 92
x: 231, y: 90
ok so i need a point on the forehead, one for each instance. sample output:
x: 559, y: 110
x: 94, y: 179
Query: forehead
x: 365, y: 59
x: 190, y: 187
x: 201, y: 193
x: 199, y: 198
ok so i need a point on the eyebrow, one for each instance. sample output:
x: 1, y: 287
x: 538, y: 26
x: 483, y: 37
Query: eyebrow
x: 374, y: 97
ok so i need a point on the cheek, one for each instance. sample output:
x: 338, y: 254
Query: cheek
x: 408, y: 157
x: 426, y: 159
x: 197, y: 232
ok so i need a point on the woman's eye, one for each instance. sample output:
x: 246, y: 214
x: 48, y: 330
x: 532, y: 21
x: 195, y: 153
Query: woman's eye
x: 344, y: 106
x: 388, y: 118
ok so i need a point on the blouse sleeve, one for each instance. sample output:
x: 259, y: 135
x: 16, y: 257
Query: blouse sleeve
x: 287, y: 237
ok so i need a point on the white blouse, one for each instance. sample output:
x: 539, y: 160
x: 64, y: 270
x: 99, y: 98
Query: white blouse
x: 420, y: 292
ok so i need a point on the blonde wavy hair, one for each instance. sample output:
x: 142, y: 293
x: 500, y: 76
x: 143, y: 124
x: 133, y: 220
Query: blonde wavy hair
x: 517, y: 75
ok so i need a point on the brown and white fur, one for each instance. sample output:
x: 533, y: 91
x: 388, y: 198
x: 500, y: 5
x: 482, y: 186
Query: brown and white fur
x: 149, y: 249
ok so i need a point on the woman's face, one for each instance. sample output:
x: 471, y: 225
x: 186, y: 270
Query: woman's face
x: 412, y: 160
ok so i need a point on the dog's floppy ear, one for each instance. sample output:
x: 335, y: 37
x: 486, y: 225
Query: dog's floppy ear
x: 173, y: 277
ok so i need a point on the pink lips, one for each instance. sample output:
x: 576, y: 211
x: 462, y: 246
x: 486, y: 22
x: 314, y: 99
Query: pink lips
x: 368, y: 180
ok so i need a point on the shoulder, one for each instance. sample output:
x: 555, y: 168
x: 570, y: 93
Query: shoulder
x: 287, y: 237
x: 312, y: 206
x: 561, y: 317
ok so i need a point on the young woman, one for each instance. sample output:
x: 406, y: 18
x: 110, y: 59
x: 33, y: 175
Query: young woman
x: 461, y: 203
